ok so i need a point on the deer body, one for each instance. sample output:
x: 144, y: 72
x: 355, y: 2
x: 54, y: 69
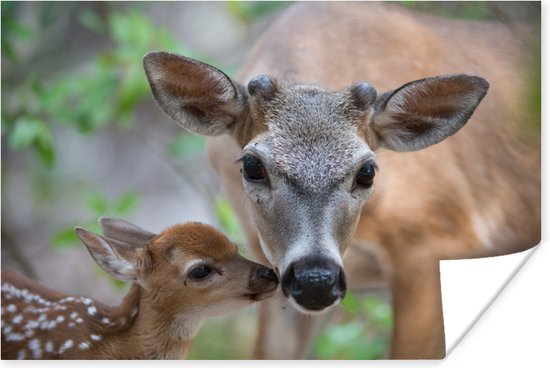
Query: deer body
x: 314, y: 208
x: 162, y: 311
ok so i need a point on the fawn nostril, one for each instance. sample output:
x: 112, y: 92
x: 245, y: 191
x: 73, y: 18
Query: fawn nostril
x: 268, y: 274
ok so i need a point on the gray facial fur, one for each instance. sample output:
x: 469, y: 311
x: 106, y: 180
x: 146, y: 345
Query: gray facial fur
x: 312, y: 150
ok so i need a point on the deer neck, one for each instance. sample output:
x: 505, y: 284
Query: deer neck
x: 154, y: 333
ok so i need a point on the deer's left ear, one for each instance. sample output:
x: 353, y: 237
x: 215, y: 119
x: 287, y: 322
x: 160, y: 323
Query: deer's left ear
x: 198, y: 96
x: 119, y: 259
x: 425, y: 112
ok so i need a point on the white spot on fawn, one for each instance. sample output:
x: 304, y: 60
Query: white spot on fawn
x: 34, y: 345
x: 17, y: 319
x: 106, y: 321
x: 92, y: 310
x: 74, y: 315
x: 67, y: 345
x: 95, y: 337
x: 60, y: 319
x: 51, y: 325
x: 49, y: 346
x: 84, y: 345
x: 32, y: 324
x: 15, y: 337
x: 21, y: 354
x: 11, y: 308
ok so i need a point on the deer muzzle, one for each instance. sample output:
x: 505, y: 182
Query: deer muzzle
x: 262, y: 283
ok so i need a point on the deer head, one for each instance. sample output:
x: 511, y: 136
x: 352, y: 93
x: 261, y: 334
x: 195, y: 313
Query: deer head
x: 189, y: 269
x: 308, y: 154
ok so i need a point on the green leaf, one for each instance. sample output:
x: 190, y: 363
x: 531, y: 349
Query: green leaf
x: 185, y: 144
x: 133, y: 88
x: 64, y: 238
x: 28, y: 132
x: 249, y: 11
x: 92, y: 21
x: 98, y: 204
x: 126, y: 203
x: 46, y: 152
x: 351, y: 303
x: 379, y: 310
x: 227, y: 219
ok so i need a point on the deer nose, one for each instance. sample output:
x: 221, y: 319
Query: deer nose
x: 315, y: 283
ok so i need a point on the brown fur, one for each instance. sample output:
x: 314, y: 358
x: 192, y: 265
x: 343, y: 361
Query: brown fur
x: 460, y: 191
x: 157, y: 318
x: 425, y: 203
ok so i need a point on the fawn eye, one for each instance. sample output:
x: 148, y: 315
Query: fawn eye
x: 200, y: 272
x: 253, y: 169
x: 365, y: 175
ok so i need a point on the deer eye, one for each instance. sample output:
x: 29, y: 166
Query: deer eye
x: 253, y: 169
x: 365, y: 175
x: 200, y: 272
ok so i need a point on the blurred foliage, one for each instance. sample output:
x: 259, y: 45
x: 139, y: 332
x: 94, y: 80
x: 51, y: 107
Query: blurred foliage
x: 249, y: 11
x: 12, y: 30
x: 186, y: 145
x: 452, y: 9
x: 98, y: 206
x: 105, y: 92
x: 228, y: 221
x: 226, y: 337
x: 362, y: 330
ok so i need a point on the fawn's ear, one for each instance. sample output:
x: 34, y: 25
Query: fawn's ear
x: 125, y: 232
x: 198, y: 96
x: 425, y: 112
x: 120, y: 260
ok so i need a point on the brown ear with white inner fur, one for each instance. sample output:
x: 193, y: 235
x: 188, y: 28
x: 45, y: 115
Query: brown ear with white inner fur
x: 198, y: 96
x: 425, y: 112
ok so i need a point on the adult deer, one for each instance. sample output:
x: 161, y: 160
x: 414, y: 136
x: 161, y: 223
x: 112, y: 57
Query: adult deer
x: 305, y: 149
x: 181, y: 276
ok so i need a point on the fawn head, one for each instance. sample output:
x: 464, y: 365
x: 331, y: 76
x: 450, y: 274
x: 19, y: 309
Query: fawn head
x: 190, y: 269
x: 308, y: 154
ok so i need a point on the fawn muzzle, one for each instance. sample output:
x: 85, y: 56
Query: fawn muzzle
x: 262, y: 283
x: 315, y: 283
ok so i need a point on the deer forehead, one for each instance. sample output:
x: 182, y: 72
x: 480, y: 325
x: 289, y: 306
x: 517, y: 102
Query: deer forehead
x: 314, y: 137
x: 185, y: 243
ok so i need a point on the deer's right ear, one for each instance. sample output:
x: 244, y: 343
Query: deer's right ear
x: 125, y: 232
x: 198, y: 96
x: 107, y: 257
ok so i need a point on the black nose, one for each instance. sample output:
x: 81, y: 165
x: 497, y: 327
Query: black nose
x: 314, y: 282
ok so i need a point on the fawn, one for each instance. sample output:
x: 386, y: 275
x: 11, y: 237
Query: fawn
x: 181, y: 276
